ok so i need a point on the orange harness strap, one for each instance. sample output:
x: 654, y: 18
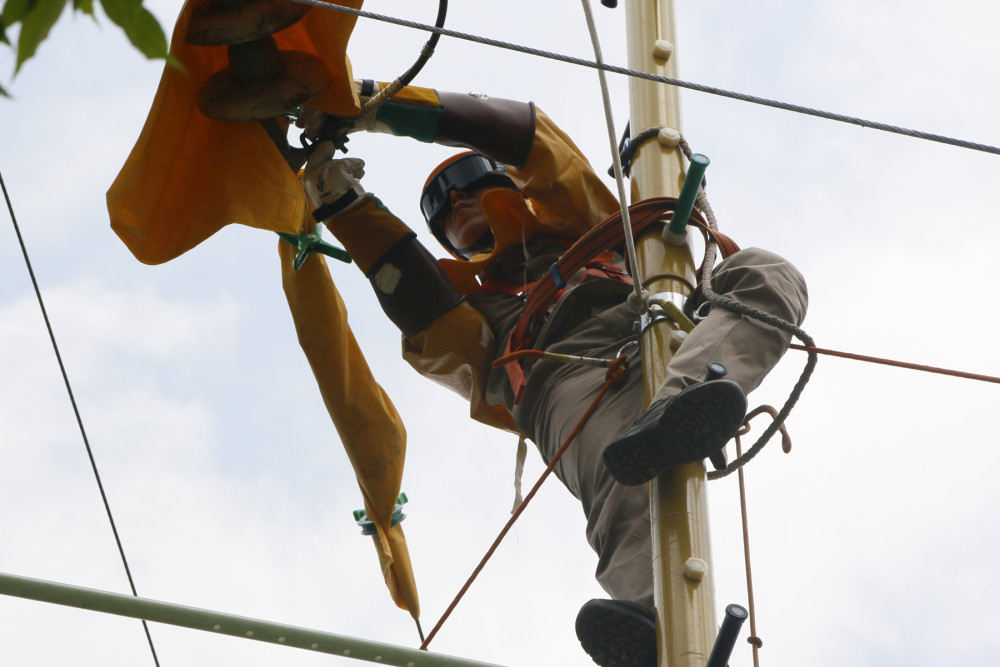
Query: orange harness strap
x: 583, y: 254
x: 600, y: 267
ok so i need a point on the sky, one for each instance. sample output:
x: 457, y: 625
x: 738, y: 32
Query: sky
x: 873, y: 542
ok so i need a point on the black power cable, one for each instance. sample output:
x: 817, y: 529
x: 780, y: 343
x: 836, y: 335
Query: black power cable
x: 336, y: 128
x: 428, y: 50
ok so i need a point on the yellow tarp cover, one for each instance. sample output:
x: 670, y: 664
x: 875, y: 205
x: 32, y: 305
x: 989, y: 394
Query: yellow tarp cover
x: 189, y: 175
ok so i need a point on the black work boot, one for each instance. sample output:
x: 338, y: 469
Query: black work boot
x: 617, y: 634
x: 693, y: 425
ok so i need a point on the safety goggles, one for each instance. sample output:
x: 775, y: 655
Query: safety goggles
x: 463, y: 173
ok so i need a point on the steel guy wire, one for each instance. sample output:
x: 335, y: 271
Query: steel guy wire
x: 76, y: 409
x: 615, y: 69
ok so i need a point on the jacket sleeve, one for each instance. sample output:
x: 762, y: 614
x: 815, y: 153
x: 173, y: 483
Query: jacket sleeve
x: 452, y: 343
x: 444, y: 338
x: 456, y: 350
x: 567, y: 196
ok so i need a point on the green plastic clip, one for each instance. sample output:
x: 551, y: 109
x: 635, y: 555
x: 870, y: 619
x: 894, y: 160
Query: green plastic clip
x: 689, y: 191
x: 313, y: 242
x: 368, y: 527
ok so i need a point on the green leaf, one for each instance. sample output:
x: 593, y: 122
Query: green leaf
x: 3, y: 93
x: 84, y: 6
x: 35, y: 27
x: 139, y: 25
x: 15, y: 10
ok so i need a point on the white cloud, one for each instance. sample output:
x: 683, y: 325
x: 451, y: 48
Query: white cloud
x: 225, y: 475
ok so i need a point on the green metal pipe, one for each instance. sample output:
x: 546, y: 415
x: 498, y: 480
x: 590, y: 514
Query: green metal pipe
x: 226, y: 624
x: 689, y: 191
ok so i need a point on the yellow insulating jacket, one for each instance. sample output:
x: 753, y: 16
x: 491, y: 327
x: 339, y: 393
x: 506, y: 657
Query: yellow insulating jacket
x: 189, y: 175
x: 369, y: 426
x: 564, y: 198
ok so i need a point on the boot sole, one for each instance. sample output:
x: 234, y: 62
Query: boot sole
x: 615, y: 635
x: 697, y: 423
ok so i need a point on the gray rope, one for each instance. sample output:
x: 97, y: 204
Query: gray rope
x: 616, y: 160
x: 711, y: 90
x: 721, y: 301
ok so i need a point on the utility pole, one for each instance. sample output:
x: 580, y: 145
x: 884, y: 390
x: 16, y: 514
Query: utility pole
x: 682, y: 564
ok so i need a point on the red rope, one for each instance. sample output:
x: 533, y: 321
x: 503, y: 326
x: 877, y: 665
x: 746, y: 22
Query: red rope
x: 613, y: 376
x: 517, y: 356
x: 898, y: 364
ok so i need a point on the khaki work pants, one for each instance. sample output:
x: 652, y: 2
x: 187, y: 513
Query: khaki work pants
x: 618, y: 525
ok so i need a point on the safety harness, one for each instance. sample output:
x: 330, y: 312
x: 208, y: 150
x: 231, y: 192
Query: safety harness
x: 590, y: 253
x: 601, y: 266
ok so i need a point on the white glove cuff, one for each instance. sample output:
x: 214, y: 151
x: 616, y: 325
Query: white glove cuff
x: 346, y: 201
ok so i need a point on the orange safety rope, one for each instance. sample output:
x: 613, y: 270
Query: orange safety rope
x: 753, y: 639
x: 786, y: 445
x: 613, y: 377
x: 898, y: 364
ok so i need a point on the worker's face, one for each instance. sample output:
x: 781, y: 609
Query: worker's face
x: 465, y: 223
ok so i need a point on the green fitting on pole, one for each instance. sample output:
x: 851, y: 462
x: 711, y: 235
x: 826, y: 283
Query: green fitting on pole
x: 689, y: 191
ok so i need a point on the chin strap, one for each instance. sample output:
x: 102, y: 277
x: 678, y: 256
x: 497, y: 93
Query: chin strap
x: 484, y: 244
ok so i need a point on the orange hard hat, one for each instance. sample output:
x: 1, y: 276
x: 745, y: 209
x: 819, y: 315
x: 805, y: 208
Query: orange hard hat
x: 465, y: 171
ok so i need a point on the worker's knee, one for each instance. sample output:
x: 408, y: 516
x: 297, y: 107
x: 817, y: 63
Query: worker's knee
x: 765, y: 280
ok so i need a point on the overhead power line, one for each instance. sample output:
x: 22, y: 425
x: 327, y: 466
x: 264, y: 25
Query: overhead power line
x: 711, y: 90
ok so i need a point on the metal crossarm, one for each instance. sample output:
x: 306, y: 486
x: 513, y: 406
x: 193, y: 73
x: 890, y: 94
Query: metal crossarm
x: 226, y: 624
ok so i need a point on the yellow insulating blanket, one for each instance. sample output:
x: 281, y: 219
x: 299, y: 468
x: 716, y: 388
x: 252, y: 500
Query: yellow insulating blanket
x: 189, y: 175
x: 368, y: 424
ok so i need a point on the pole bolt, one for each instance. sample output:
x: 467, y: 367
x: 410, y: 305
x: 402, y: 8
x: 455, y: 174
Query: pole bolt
x: 695, y: 569
x: 668, y: 137
x: 662, y: 49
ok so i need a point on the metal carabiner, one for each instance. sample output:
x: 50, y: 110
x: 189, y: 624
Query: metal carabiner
x: 634, y: 344
x: 697, y: 315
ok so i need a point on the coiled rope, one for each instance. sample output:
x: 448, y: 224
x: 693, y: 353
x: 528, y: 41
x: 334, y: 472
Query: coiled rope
x: 721, y: 301
x: 711, y: 249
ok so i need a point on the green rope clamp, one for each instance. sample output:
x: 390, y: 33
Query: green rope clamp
x: 689, y: 192
x: 368, y: 526
x: 313, y: 242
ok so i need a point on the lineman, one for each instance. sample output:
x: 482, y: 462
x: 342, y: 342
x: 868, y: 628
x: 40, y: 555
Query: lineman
x: 506, y: 211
